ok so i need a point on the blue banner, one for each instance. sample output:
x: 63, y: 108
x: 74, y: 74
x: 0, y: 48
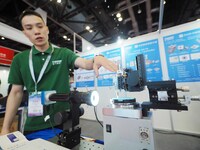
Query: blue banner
x: 183, y: 55
x: 106, y: 77
x: 85, y: 78
x: 150, y: 49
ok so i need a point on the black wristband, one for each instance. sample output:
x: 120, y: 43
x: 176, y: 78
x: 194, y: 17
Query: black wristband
x: 99, y: 55
x: 96, y: 56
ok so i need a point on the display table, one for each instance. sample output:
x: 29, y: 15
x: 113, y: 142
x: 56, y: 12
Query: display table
x: 17, y: 141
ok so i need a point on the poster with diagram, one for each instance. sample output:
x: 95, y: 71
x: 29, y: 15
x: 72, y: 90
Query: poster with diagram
x: 85, y: 78
x: 150, y: 50
x: 183, y: 55
x: 106, y: 77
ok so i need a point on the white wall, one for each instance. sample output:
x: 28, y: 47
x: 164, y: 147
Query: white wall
x: 4, y: 71
x: 185, y: 121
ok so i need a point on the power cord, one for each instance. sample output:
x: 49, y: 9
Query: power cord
x: 168, y: 132
x: 96, y: 116
x: 49, y: 120
x: 53, y: 129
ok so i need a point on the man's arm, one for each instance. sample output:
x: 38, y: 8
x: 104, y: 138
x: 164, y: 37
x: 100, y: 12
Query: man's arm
x: 95, y: 64
x: 13, y: 103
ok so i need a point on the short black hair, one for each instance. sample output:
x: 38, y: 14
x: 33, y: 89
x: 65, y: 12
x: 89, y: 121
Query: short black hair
x: 28, y: 12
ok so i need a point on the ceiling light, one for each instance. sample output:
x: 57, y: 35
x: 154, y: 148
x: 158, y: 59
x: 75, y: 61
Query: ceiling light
x: 120, y: 19
x: 139, y: 10
x: 58, y: 1
x: 64, y: 36
x: 108, y: 6
x: 3, y: 38
x: 88, y: 48
x: 68, y: 39
x: 90, y: 31
x: 164, y: 2
x: 87, y: 27
x: 118, y: 15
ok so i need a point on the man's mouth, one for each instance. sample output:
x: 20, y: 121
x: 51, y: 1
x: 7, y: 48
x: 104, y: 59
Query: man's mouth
x: 38, y: 38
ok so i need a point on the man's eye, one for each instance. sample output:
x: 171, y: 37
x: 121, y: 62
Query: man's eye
x: 40, y: 26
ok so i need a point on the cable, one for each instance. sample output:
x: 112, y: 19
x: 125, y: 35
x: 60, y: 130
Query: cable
x: 51, y: 123
x: 53, y: 128
x: 97, y: 117
x: 173, y: 132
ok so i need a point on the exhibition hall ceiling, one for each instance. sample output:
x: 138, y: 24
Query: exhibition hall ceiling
x: 106, y: 20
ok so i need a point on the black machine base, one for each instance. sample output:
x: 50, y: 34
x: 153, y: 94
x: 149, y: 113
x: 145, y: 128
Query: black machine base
x: 70, y: 139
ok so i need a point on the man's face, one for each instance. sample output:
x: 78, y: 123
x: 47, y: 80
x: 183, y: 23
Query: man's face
x: 36, y: 30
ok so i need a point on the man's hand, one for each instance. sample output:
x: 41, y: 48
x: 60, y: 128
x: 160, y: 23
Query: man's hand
x: 13, y: 102
x: 95, y: 64
x: 100, y: 61
x: 4, y: 131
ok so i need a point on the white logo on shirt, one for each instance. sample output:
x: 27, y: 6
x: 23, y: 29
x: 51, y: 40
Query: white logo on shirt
x: 56, y: 62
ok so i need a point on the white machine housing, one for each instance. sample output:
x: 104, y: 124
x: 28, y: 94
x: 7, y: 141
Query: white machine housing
x: 123, y: 131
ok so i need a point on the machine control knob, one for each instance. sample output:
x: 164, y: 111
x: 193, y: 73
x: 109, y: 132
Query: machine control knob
x: 144, y: 135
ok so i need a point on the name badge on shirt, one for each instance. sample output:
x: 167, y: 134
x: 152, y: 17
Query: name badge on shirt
x: 35, y: 107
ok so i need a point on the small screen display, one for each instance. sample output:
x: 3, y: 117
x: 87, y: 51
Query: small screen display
x: 12, y: 138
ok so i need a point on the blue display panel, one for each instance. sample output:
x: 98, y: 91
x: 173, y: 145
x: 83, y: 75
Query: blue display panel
x: 85, y: 78
x: 106, y: 77
x: 183, y: 55
x: 150, y: 49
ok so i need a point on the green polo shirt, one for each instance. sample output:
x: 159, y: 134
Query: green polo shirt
x: 55, y: 77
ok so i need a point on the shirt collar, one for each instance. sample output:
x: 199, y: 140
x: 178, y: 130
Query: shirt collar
x: 48, y: 51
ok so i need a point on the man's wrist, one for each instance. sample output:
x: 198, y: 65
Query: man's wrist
x: 97, y: 56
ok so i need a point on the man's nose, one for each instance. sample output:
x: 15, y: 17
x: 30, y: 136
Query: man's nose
x: 36, y: 31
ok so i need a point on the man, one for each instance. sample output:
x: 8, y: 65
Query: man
x: 43, y: 68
